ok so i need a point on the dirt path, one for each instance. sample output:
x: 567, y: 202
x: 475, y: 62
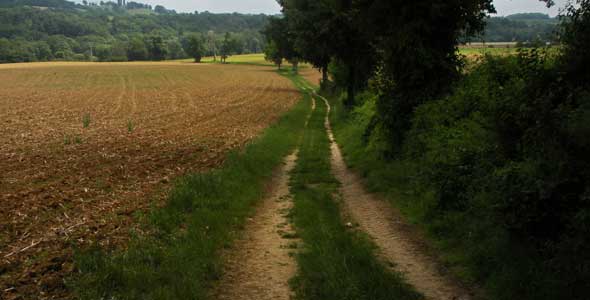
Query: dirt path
x: 391, y: 234
x: 260, y: 266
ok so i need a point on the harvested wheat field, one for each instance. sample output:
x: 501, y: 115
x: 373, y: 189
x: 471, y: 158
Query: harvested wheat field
x: 312, y: 75
x: 84, y: 146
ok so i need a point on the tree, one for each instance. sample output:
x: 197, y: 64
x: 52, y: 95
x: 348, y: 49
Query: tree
x: 137, y: 49
x: 43, y: 51
x: 6, y: 51
x: 160, y: 9
x: 307, y: 22
x: 212, y: 44
x: 119, y: 51
x: 226, y: 47
x: 576, y: 39
x: 271, y: 54
x: 175, y: 49
x: 156, y: 47
x: 61, y: 46
x: 104, y: 52
x: 334, y: 26
x: 282, y: 42
x: 194, y: 46
x: 416, y: 43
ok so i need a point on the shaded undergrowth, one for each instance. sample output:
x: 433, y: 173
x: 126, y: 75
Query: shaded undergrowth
x: 492, y: 173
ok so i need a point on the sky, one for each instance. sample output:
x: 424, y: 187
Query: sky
x: 507, y: 7
x: 504, y: 7
x: 219, y: 6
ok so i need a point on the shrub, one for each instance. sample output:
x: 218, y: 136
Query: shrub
x: 504, y: 153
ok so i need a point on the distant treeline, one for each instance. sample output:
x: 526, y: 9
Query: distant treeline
x: 530, y: 27
x: 45, y: 30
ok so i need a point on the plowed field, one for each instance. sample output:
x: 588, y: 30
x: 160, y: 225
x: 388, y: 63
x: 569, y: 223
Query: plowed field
x: 84, y: 146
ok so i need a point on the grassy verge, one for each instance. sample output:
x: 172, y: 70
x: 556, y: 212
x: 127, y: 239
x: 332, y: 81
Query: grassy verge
x: 392, y: 178
x: 178, y: 258
x: 474, y: 250
x: 337, y: 263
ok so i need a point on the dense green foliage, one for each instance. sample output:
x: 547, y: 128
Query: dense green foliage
x: 504, y: 153
x: 177, y: 255
x: 228, y: 46
x: 425, y: 63
x: 497, y: 169
x: 272, y: 54
x: 61, y: 30
x: 497, y: 172
x: 281, y: 45
x: 194, y: 46
x: 492, y: 160
x: 334, y: 32
x: 411, y: 46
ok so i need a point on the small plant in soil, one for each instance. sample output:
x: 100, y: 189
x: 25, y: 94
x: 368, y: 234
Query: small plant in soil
x: 86, y: 120
x: 130, y: 126
x: 72, y: 139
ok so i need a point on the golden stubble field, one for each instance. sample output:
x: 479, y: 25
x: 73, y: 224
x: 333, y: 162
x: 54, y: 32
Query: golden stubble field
x: 64, y: 183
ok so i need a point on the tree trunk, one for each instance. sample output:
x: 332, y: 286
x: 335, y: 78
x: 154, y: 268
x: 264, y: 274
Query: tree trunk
x: 350, y: 89
x: 324, y: 74
x: 295, y: 66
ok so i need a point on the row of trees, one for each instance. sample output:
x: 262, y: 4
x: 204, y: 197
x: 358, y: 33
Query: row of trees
x: 135, y: 47
x: 411, y: 44
x: 89, y: 33
x: 498, y: 152
x: 196, y: 46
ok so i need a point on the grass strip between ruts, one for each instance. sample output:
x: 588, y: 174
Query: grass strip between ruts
x: 336, y: 262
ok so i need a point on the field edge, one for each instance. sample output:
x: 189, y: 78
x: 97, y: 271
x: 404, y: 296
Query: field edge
x: 176, y: 256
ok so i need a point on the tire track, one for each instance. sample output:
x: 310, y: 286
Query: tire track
x: 261, y: 265
x: 390, y: 233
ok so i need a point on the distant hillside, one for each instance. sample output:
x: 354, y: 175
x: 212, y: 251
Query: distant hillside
x: 40, y: 30
x: 525, y: 27
x: 40, y: 3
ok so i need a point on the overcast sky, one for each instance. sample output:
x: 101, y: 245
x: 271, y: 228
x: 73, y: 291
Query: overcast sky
x: 504, y: 7
x: 507, y: 7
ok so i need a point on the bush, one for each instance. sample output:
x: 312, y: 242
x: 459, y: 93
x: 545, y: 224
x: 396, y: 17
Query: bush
x: 79, y: 57
x: 496, y: 171
x: 497, y: 168
x: 504, y: 154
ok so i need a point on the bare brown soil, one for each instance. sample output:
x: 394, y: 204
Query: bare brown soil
x: 259, y: 266
x: 398, y: 244
x: 312, y: 75
x: 63, y: 185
